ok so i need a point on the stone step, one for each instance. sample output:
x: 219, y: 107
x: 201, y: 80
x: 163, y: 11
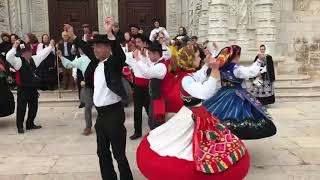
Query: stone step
x: 302, y: 96
x: 297, y: 88
x: 282, y: 80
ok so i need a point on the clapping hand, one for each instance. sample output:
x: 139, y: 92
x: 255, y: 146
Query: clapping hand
x: 214, y: 65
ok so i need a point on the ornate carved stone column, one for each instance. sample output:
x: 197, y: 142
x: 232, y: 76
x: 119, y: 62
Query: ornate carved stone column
x: 266, y: 26
x: 218, y: 22
x: 173, y: 16
x: 203, y: 21
x: 38, y: 16
x: 4, y: 16
x: 107, y: 8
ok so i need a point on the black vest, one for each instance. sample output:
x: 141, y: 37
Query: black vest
x: 113, y: 79
x: 28, y: 75
x: 69, y: 47
x: 89, y: 74
x: 155, y: 88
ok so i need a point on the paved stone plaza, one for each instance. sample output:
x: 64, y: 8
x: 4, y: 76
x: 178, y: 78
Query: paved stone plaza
x: 60, y: 152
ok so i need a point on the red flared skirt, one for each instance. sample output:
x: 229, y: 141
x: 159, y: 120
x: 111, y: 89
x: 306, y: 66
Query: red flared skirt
x: 156, y: 167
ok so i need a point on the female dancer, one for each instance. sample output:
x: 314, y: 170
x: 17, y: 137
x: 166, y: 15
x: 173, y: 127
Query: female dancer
x: 233, y: 105
x: 193, y: 144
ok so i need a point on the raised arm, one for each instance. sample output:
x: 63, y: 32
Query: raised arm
x: 166, y: 34
x: 199, y: 87
x: 42, y: 55
x: 248, y: 72
x: 157, y: 71
x: 11, y: 56
x: 116, y: 48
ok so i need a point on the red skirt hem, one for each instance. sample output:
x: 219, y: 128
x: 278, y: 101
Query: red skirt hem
x: 156, y: 167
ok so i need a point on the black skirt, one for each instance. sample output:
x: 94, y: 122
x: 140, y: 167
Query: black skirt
x: 7, y: 104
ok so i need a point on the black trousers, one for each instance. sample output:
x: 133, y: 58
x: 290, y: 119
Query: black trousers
x: 26, y: 97
x: 79, y: 79
x: 141, y: 100
x: 110, y: 130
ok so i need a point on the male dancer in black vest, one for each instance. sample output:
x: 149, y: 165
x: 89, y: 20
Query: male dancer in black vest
x: 27, y: 81
x: 108, y: 91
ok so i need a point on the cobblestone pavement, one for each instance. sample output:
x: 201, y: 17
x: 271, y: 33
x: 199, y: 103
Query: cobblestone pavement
x: 60, y: 152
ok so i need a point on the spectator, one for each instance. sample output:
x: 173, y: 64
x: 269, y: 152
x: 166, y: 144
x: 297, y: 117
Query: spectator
x: 154, y: 33
x: 5, y: 45
x: 33, y: 41
x: 87, y: 33
x: 194, y: 41
x: 182, y: 38
x: 66, y: 48
x: 134, y: 30
x: 13, y: 38
x: 47, y: 69
x: 128, y: 44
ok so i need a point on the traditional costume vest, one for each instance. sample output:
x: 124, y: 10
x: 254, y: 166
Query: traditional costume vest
x: 156, y: 84
x: 227, y: 76
x: 26, y: 77
x: 113, y: 79
x: 89, y: 74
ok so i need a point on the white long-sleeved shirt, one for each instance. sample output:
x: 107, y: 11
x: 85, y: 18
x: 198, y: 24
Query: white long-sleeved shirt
x: 200, y: 86
x: 252, y: 71
x: 133, y: 64
x: 157, y: 30
x: 40, y: 48
x: 102, y: 95
x: 17, y: 63
x: 152, y: 70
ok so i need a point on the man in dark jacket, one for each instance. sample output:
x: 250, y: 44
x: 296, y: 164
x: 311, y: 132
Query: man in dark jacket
x: 108, y: 91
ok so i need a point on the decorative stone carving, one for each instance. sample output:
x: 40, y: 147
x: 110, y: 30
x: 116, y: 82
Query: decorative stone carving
x: 194, y: 16
x: 301, y: 5
x: 4, y: 20
x: 301, y: 49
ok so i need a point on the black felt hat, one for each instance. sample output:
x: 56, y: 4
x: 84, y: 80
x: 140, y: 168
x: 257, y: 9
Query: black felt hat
x: 99, y: 39
x: 155, y: 46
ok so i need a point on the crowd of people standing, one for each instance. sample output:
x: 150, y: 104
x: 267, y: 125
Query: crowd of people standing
x: 162, y: 75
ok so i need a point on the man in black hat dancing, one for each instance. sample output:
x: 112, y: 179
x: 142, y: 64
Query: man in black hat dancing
x: 108, y: 91
x: 27, y: 81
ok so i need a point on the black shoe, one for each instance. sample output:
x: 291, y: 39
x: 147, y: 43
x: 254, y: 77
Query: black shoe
x: 135, y: 136
x: 20, y: 131
x: 33, y: 127
x: 81, y: 105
